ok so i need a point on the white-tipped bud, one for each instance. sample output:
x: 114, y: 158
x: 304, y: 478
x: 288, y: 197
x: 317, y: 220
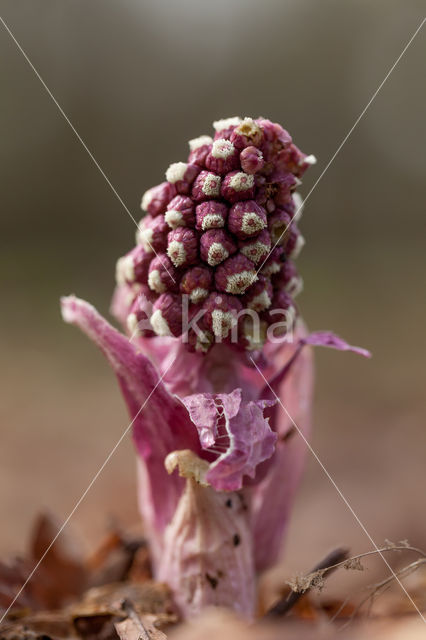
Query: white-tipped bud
x: 176, y: 172
x: 225, y: 123
x: 159, y: 324
x: 201, y: 141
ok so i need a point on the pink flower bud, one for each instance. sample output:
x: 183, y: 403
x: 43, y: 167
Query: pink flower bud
x: 288, y: 279
x: 138, y: 320
x: 216, y: 246
x: 238, y: 185
x: 223, y: 157
x: 181, y: 175
x: 256, y: 249
x: 133, y: 267
x: 259, y: 296
x: 123, y: 297
x: 293, y: 205
x: 206, y: 186
x: 278, y: 225
x: 182, y: 247
x: 294, y: 242
x: 142, y: 260
x: 162, y: 275
x: 253, y: 333
x: 275, y: 138
x: 247, y: 133
x: 274, y: 262
x: 196, y: 282
x: 264, y: 193
x: 202, y: 341
x: 251, y: 160
x: 166, y: 319
x: 180, y: 212
x: 199, y: 148
x: 225, y: 127
x: 273, y: 131
x: 278, y: 187
x: 211, y: 215
x: 283, y: 300
x: 296, y: 161
x: 156, y: 199
x: 282, y: 313
x: 221, y: 314
x: 235, y: 275
x: 246, y: 219
x: 152, y: 234
x: 285, y: 183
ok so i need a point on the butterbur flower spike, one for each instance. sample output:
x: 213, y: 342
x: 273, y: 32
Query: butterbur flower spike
x: 207, y: 293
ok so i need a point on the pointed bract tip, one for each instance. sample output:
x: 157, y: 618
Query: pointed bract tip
x: 329, y: 339
x: 69, y: 306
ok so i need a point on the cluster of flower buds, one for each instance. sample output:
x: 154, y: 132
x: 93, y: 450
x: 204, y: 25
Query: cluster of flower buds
x: 222, y: 232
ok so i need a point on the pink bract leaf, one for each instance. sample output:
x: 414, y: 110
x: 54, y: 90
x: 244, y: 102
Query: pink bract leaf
x: 160, y: 422
x: 251, y: 441
x: 208, y: 557
x: 315, y: 339
x: 330, y: 339
x: 236, y: 428
x: 292, y: 384
x: 207, y: 409
x: 273, y: 496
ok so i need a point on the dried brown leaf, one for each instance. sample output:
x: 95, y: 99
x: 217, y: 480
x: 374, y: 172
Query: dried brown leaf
x: 12, y: 577
x: 138, y: 627
x: 55, y: 625
x: 148, y: 597
x: 354, y: 564
x: 301, y: 583
x: 115, y: 559
x: 62, y: 574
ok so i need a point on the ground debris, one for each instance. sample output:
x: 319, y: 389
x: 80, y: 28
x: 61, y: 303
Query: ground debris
x: 117, y: 557
x: 54, y: 625
x: 63, y: 574
x: 150, y: 596
x: 104, y: 607
x: 104, y: 613
x: 137, y: 626
x: 69, y: 596
x: 111, y: 596
x: 354, y: 564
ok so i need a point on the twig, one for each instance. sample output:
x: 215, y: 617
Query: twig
x: 380, y: 587
x: 132, y: 614
x: 335, y: 560
x: 326, y: 566
x: 396, y: 547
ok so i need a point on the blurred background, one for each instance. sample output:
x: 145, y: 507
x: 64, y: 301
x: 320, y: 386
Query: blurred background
x: 138, y: 78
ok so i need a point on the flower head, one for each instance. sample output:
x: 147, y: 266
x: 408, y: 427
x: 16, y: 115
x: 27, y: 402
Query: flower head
x: 222, y: 211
